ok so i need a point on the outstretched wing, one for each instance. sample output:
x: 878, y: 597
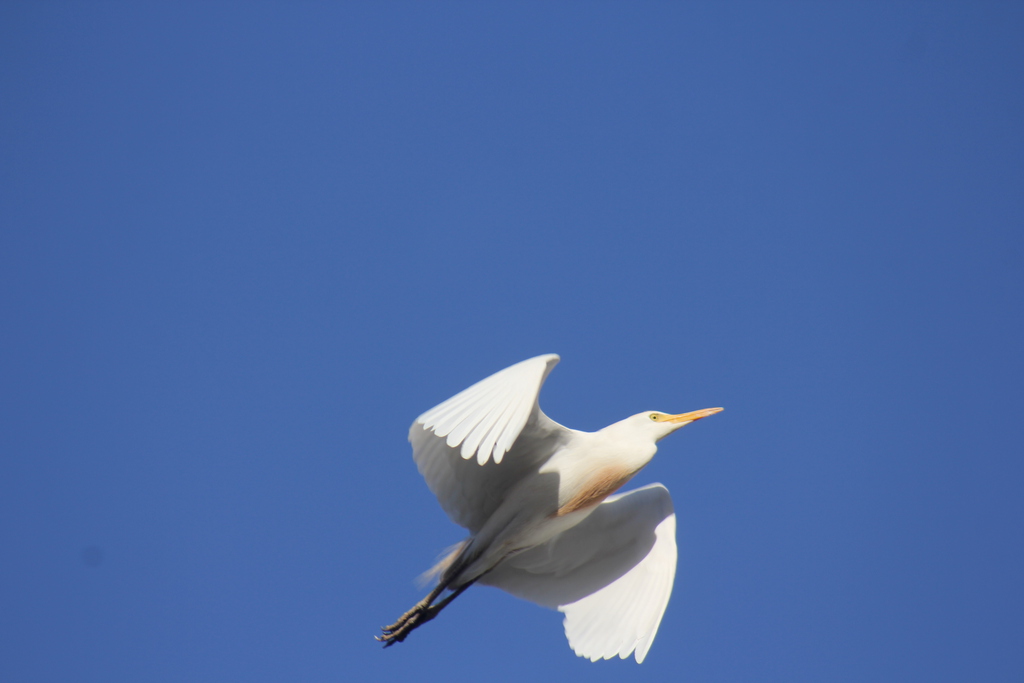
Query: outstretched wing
x: 611, y: 574
x: 459, y: 446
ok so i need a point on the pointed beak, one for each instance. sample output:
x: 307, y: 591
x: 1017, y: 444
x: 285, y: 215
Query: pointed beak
x: 685, y: 418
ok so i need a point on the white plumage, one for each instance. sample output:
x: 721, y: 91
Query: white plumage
x: 535, y: 497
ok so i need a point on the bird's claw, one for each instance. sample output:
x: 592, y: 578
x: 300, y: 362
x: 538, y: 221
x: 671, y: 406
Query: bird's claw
x: 405, y: 625
x: 386, y: 639
x: 390, y: 636
x: 402, y: 620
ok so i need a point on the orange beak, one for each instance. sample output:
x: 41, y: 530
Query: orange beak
x: 694, y: 416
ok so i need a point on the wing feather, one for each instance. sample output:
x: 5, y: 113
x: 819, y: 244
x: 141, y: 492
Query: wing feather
x: 468, y: 415
x: 611, y: 575
x: 624, y: 617
x: 521, y: 409
x: 488, y: 443
x: 483, y: 404
x: 445, y: 418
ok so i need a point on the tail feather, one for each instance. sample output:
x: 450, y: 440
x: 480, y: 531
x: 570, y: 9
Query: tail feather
x: 445, y: 561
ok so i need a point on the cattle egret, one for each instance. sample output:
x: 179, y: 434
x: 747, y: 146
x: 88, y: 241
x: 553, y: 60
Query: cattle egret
x: 543, y: 525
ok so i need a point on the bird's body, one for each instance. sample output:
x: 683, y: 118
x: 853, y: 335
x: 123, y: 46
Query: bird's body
x: 579, y: 473
x: 527, y: 489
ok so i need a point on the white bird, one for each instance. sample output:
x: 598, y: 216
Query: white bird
x: 536, y: 499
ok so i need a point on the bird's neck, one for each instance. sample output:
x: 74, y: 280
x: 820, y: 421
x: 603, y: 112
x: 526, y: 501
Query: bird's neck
x: 624, y: 446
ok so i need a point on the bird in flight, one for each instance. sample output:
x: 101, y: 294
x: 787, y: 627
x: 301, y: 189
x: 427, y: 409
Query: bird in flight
x: 543, y: 524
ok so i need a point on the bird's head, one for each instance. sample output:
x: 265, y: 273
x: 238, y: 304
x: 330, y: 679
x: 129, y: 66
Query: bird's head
x: 659, y: 425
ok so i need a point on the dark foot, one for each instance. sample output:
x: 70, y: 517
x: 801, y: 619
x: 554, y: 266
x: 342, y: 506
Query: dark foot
x: 416, y: 609
x: 408, y: 622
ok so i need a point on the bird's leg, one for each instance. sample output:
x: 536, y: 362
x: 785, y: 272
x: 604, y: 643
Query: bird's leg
x: 420, y: 614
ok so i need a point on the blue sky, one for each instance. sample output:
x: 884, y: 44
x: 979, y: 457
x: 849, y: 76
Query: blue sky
x: 245, y: 245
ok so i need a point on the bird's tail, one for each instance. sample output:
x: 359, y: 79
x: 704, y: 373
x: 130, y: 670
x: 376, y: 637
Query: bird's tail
x: 444, y: 561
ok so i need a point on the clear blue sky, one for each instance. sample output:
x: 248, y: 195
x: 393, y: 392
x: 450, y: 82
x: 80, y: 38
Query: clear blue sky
x: 244, y: 245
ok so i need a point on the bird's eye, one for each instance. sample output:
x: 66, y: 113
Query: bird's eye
x: 654, y: 416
